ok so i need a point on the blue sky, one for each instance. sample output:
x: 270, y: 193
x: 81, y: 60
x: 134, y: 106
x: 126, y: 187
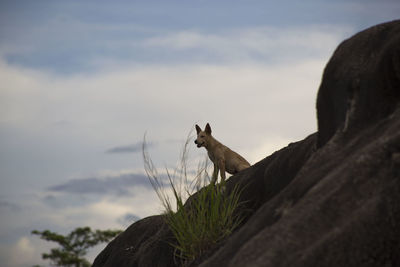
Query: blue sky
x: 82, y: 81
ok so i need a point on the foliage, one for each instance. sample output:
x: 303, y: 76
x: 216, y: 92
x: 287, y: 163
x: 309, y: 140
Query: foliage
x: 74, y: 246
x: 209, y: 215
x: 209, y: 219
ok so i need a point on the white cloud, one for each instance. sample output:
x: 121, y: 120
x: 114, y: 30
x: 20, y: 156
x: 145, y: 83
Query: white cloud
x: 258, y: 44
x: 267, y: 147
x: 26, y: 251
x: 23, y: 247
x: 101, y: 213
x: 246, y: 105
x: 122, y: 101
x: 131, y: 100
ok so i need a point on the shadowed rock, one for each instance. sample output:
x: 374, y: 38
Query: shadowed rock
x: 332, y: 199
x: 361, y: 82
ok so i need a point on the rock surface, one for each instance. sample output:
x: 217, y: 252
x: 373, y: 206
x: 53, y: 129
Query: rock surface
x: 332, y: 199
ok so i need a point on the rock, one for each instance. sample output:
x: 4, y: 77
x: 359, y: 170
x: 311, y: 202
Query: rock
x: 361, y: 82
x: 332, y: 199
x: 341, y: 209
x: 144, y: 243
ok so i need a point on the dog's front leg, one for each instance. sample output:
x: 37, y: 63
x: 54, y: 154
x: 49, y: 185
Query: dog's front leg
x: 215, y: 174
x: 221, y: 164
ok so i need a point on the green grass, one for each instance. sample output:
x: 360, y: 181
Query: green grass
x: 210, y: 214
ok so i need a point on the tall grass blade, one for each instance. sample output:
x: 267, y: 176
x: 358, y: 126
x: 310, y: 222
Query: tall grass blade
x: 209, y: 217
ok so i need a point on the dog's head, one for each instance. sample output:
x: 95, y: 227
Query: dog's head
x: 202, y: 136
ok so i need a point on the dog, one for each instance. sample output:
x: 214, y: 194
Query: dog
x: 224, y: 159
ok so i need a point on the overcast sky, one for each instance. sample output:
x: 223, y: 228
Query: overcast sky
x: 83, y: 81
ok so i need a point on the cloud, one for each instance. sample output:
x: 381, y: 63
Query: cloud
x: 119, y: 185
x: 127, y: 219
x: 109, y: 211
x: 165, y: 101
x: 257, y: 44
x: 135, y: 45
x: 9, y: 206
x: 25, y: 246
x: 134, y: 148
x: 24, y: 252
x: 125, y: 149
x: 51, y: 42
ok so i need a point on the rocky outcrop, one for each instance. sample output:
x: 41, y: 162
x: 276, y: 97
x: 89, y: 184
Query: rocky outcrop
x: 360, y: 84
x: 332, y: 199
x: 144, y: 243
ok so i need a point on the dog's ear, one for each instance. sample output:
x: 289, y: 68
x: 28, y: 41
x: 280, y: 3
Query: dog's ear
x: 208, y: 129
x: 198, y: 129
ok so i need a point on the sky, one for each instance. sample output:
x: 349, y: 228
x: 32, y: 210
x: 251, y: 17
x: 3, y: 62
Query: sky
x: 82, y: 82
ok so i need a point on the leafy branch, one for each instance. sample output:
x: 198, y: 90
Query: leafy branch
x: 74, y: 246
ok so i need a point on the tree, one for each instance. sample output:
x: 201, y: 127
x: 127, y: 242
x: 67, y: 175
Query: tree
x: 74, y: 246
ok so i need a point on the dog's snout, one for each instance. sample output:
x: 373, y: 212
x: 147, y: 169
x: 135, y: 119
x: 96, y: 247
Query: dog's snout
x: 195, y: 141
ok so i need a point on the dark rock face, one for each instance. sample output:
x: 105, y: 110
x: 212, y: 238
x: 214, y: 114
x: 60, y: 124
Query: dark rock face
x: 144, y: 243
x: 332, y: 199
x: 361, y: 81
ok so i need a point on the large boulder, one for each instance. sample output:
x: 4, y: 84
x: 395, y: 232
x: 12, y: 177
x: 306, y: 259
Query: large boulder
x: 144, y: 243
x: 361, y: 82
x: 332, y: 199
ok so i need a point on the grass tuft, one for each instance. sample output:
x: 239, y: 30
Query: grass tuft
x: 209, y: 215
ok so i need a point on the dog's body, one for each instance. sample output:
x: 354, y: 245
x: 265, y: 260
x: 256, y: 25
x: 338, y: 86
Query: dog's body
x: 224, y: 159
